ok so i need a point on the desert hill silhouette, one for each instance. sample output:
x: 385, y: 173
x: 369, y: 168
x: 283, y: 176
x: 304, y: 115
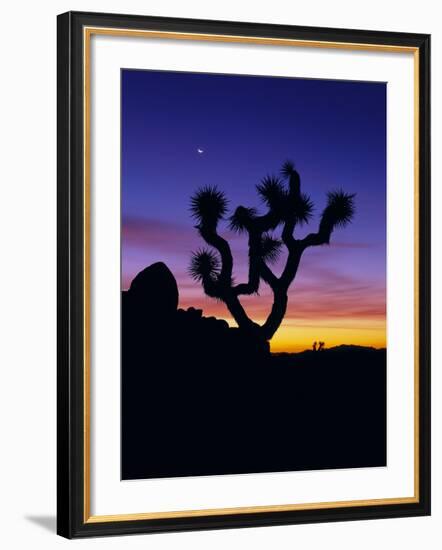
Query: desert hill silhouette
x: 202, y: 398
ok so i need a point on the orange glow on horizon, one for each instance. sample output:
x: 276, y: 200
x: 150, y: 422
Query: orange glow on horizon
x: 359, y: 321
x: 296, y: 335
x: 292, y: 339
x: 345, y: 313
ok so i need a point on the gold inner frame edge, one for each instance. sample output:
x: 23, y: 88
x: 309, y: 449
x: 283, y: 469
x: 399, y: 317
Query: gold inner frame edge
x: 87, y: 33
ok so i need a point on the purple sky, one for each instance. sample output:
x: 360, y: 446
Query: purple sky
x: 247, y: 126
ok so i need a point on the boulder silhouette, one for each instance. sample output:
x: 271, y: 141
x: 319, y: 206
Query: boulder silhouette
x: 155, y: 291
x: 151, y: 316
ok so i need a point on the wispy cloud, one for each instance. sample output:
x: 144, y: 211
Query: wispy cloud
x: 151, y: 233
x: 362, y: 246
x: 326, y: 290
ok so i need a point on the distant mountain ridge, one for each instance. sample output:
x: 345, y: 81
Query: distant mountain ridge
x: 345, y: 348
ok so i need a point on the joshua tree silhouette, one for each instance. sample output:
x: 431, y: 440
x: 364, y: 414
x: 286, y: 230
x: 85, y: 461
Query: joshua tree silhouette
x: 287, y: 207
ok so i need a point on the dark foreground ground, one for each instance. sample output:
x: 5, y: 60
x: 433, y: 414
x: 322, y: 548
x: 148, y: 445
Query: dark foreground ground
x: 199, y: 398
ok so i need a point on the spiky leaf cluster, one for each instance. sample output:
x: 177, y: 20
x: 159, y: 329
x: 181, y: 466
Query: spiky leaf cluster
x: 303, y: 209
x: 241, y: 218
x: 288, y: 168
x: 340, y: 208
x: 270, y: 248
x: 208, y: 205
x: 288, y: 172
x: 204, y: 265
x: 272, y: 192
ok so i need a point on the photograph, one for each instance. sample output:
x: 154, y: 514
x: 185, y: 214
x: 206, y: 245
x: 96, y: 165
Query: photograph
x: 253, y: 274
x: 220, y: 235
x: 243, y: 274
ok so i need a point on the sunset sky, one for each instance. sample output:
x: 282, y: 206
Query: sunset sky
x: 247, y: 126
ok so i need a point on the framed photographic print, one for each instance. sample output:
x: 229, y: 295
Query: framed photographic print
x: 243, y: 274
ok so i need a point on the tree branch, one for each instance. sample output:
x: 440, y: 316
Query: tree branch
x: 257, y: 266
x: 252, y: 284
x: 338, y: 213
x: 210, y: 235
x: 291, y: 267
x: 287, y: 233
x: 315, y: 239
x: 268, y: 276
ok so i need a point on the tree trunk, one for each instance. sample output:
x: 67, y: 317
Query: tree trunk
x: 277, y: 314
x: 239, y: 314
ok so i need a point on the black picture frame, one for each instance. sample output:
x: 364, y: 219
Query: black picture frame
x: 72, y: 517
